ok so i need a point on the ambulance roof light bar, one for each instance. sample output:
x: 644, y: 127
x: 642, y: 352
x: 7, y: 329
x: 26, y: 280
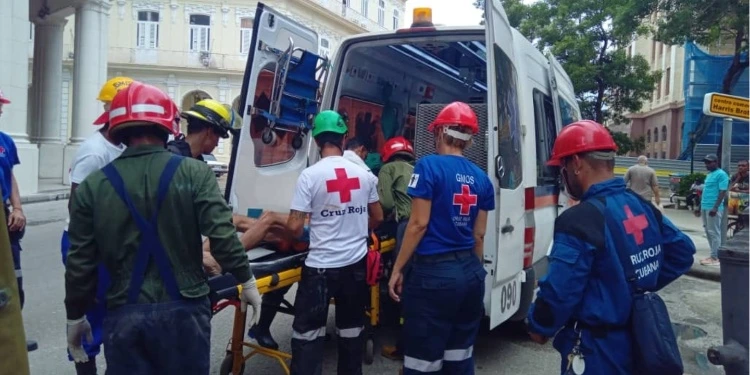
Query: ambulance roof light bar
x: 422, y: 20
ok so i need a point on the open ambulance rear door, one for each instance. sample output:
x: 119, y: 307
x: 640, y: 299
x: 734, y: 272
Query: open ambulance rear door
x: 566, y: 108
x: 503, y: 250
x: 264, y: 175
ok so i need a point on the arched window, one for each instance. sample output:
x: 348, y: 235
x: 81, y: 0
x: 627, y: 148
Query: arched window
x: 246, y: 34
x: 664, y: 133
x: 648, y: 136
x: 147, y: 30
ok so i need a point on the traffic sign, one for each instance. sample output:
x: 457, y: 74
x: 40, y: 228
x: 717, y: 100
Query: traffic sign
x: 722, y: 105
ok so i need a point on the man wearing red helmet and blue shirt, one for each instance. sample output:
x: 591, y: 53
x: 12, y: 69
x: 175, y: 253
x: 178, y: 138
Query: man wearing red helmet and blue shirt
x: 443, y: 289
x: 610, y: 244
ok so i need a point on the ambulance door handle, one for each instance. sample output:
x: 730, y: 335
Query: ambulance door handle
x: 507, y: 228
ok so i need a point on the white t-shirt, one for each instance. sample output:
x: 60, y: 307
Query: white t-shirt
x: 354, y: 158
x: 95, y: 153
x: 336, y: 193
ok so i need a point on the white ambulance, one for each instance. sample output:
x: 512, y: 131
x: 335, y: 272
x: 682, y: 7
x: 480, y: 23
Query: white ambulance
x: 394, y: 83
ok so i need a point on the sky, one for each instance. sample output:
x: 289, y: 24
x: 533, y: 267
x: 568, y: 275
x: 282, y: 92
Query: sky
x: 447, y: 12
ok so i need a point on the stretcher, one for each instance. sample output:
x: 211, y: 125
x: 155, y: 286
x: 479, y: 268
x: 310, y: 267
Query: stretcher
x: 275, y: 270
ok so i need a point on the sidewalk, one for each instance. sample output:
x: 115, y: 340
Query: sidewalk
x: 48, y: 191
x: 693, y: 227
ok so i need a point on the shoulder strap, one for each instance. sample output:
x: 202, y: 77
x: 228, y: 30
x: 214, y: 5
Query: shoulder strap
x: 627, y: 266
x: 165, y: 180
x: 118, y: 184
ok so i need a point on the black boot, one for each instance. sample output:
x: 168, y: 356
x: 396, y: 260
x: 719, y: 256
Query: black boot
x: 88, y: 368
x: 261, y: 332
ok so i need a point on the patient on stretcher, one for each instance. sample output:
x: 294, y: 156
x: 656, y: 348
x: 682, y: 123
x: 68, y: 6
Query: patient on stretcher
x: 255, y: 232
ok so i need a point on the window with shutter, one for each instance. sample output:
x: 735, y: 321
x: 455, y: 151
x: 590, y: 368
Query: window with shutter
x: 395, y: 19
x: 200, y: 33
x: 147, y: 30
x: 246, y: 34
x: 381, y: 13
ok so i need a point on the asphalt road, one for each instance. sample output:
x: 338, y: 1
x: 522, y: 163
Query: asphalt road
x: 695, y: 306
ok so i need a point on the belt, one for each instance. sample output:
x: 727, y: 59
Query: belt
x: 443, y: 257
x: 599, y: 330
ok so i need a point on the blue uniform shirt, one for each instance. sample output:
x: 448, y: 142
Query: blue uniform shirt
x: 585, y: 280
x: 8, y: 159
x: 458, y: 189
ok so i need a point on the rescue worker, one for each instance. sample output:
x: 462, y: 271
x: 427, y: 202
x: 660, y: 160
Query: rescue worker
x: 340, y: 197
x: 443, y: 290
x: 207, y: 121
x: 95, y: 152
x: 585, y: 291
x: 393, y: 181
x: 142, y: 216
x: 14, y: 216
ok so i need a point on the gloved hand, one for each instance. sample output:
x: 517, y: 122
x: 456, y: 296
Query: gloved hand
x: 250, y: 294
x: 77, y: 329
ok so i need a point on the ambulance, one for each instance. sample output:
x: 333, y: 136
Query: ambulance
x: 394, y: 83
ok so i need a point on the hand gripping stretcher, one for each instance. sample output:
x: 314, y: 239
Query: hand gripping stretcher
x: 276, y: 270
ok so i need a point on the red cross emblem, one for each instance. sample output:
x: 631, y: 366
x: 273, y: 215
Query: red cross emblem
x: 343, y: 185
x: 635, y: 225
x: 466, y: 200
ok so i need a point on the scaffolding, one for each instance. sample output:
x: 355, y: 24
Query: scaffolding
x: 704, y: 73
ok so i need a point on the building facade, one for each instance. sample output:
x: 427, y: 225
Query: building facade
x: 192, y: 49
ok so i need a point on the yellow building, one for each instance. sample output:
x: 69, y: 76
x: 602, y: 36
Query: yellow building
x: 192, y: 49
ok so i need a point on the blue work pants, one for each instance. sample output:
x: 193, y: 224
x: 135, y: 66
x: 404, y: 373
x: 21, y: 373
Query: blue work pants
x: 443, y: 307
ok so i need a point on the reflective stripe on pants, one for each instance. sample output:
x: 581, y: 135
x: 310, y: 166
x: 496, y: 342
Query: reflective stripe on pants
x: 439, y: 336
x: 317, y: 286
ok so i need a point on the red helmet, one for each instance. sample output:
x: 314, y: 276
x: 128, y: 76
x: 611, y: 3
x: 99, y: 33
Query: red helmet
x: 579, y: 137
x: 395, y: 146
x: 102, y: 119
x: 456, y: 114
x: 140, y: 103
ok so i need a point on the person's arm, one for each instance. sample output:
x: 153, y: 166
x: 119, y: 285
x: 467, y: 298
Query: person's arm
x: 385, y: 188
x: 16, y: 219
x: 374, y: 209
x: 678, y: 251
x: 561, y: 290
x: 415, y: 230
x: 626, y: 177
x: 480, y: 227
x: 301, y: 207
x: 655, y: 188
x: 215, y: 222
x: 723, y: 186
x: 81, y: 275
x: 242, y: 222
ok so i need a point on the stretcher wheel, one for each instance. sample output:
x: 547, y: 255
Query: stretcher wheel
x: 297, y: 141
x: 268, y: 136
x: 369, y: 351
x: 226, y: 365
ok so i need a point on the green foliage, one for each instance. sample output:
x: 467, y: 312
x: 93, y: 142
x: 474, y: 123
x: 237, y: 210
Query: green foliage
x: 639, y: 145
x: 707, y: 23
x: 687, y: 181
x: 583, y: 35
x: 623, y: 142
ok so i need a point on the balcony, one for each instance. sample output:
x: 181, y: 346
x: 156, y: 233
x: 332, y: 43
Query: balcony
x: 357, y: 18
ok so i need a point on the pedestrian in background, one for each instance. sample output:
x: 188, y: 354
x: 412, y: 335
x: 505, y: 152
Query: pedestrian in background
x: 642, y: 180
x: 712, y: 206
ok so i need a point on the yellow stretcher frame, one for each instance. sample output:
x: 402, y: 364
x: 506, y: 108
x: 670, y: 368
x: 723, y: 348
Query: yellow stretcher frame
x: 235, y: 348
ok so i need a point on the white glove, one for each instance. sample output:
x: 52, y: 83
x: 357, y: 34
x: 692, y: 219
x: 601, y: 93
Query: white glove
x: 250, y: 294
x: 77, y: 329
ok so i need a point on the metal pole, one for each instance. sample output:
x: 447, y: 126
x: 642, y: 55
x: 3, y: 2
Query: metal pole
x: 726, y: 153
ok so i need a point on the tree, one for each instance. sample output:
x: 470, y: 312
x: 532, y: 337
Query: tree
x: 584, y: 35
x: 639, y: 145
x: 623, y: 142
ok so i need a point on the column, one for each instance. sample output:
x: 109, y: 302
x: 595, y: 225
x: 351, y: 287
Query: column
x: 47, y: 97
x: 14, y: 81
x: 89, y: 72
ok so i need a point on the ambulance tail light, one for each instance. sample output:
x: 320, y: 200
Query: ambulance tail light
x: 422, y: 21
x: 528, y: 247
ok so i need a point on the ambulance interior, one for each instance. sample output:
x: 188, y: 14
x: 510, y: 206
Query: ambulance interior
x: 381, y: 82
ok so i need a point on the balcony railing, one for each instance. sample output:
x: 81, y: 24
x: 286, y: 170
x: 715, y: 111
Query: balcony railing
x: 172, y: 59
x: 337, y: 7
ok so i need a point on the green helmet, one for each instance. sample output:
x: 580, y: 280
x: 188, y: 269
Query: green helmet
x: 329, y: 121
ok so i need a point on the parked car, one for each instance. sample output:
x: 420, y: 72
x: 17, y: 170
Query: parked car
x: 219, y: 168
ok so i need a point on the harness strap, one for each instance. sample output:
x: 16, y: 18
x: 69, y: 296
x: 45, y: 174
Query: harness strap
x: 150, y: 244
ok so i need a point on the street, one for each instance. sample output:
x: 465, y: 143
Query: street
x: 695, y: 308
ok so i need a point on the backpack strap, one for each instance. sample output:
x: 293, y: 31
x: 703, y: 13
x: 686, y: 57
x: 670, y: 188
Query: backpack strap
x: 630, y: 276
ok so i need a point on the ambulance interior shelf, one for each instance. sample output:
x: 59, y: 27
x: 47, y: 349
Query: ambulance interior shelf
x: 295, y: 94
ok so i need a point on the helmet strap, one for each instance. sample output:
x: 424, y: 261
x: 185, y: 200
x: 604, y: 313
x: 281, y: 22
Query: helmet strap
x: 456, y: 134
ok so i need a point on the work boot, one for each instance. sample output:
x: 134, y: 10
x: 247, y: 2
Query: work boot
x: 31, y: 345
x: 261, y: 332
x: 88, y: 368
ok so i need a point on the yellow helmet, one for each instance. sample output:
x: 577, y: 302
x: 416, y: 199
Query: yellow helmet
x: 108, y: 91
x: 220, y: 115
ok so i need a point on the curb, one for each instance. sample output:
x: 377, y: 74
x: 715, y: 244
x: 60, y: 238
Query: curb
x: 704, y: 272
x: 45, y: 197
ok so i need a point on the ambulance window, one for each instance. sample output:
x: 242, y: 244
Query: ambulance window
x: 567, y: 112
x: 544, y: 118
x: 280, y: 150
x: 509, y: 133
